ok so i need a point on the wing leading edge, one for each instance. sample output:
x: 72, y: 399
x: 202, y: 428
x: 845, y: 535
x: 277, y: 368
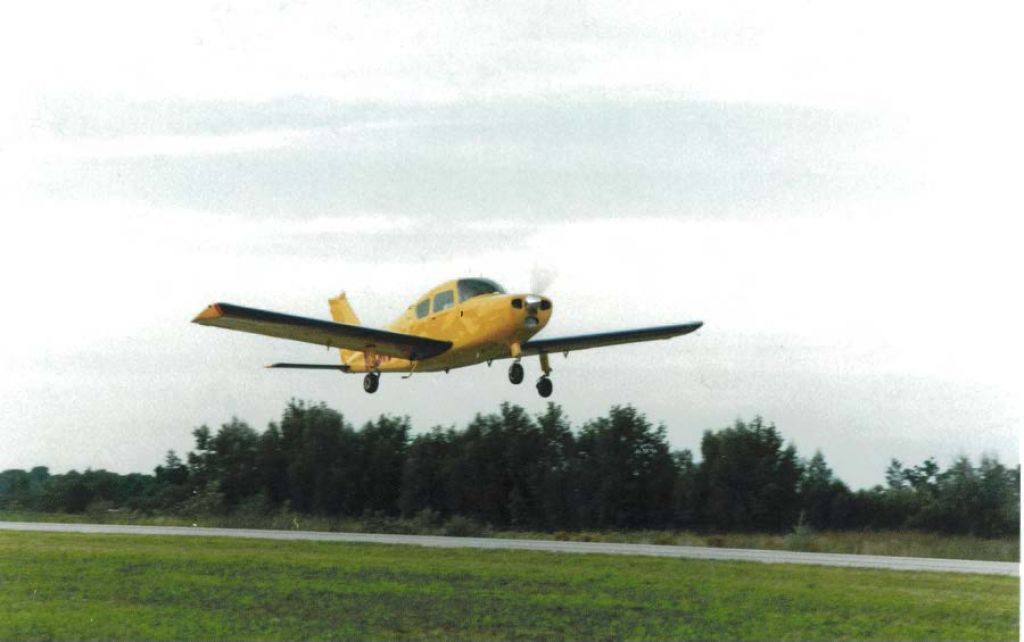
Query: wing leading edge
x: 601, y: 339
x: 319, y: 332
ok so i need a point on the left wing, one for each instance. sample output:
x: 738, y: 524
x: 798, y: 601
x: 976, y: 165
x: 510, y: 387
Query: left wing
x: 324, y: 333
x: 601, y: 339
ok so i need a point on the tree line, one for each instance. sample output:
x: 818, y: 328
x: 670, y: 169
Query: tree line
x: 510, y: 469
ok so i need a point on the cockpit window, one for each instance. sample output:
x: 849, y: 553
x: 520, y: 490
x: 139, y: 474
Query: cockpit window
x: 443, y: 300
x: 422, y: 308
x: 469, y: 288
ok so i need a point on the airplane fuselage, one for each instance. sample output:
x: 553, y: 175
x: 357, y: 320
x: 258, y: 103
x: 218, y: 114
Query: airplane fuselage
x: 481, y: 327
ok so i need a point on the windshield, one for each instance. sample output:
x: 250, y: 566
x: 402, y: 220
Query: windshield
x: 469, y: 288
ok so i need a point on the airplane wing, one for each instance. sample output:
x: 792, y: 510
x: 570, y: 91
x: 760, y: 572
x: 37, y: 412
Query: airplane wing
x: 310, y: 366
x: 601, y: 339
x: 324, y: 333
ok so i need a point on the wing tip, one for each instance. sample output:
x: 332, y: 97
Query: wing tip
x: 210, y: 313
x: 687, y: 328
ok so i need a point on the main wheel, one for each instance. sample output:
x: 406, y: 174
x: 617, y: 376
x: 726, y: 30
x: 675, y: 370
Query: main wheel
x: 545, y: 387
x: 370, y: 382
x: 515, y: 373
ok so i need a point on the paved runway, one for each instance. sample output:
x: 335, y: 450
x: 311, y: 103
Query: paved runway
x: 693, y: 552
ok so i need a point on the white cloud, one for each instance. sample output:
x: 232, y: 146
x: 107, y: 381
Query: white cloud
x: 859, y: 55
x: 47, y: 147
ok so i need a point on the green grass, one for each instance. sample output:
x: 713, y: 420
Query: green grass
x: 901, y: 543
x: 73, y: 586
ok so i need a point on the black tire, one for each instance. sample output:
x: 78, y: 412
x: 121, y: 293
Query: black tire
x: 545, y: 387
x: 370, y: 382
x: 515, y: 373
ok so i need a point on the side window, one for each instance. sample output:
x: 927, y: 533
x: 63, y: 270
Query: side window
x: 444, y: 300
x: 422, y: 308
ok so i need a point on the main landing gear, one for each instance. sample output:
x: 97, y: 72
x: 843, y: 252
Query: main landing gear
x: 371, y: 382
x: 515, y: 373
x: 545, y: 387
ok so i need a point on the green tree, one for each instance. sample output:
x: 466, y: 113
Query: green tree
x: 626, y: 472
x: 685, y: 491
x: 321, y: 451
x: 748, y: 479
x: 824, y: 500
x: 272, y: 466
x: 24, y: 490
x: 226, y: 461
x: 425, y: 474
x: 555, y: 471
x: 383, y: 446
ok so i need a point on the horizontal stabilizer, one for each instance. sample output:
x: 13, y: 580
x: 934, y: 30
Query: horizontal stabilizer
x: 320, y: 332
x: 601, y: 339
x: 310, y: 366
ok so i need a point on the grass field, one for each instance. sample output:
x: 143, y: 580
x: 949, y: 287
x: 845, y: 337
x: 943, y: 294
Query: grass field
x: 72, y: 586
x: 909, y: 544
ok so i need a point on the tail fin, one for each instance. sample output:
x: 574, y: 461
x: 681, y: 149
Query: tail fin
x: 341, y: 311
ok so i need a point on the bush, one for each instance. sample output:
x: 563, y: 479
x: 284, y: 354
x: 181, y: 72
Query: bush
x: 801, y: 537
x: 459, y: 526
x: 98, y: 509
x: 665, y: 539
x: 204, y: 502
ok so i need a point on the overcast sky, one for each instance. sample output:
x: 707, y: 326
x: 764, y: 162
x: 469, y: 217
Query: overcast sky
x: 831, y: 189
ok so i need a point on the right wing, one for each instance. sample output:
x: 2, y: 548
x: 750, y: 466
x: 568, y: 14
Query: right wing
x: 601, y: 339
x: 323, y: 333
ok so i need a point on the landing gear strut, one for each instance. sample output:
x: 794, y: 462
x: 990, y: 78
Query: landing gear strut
x: 370, y: 382
x: 545, y: 387
x: 515, y: 373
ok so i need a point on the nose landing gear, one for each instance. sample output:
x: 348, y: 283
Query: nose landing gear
x: 371, y: 382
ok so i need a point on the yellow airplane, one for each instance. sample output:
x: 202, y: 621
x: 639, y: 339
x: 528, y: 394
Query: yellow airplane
x: 458, y: 323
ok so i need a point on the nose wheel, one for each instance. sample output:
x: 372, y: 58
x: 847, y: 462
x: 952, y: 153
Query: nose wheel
x: 545, y: 387
x: 371, y: 382
x: 515, y: 373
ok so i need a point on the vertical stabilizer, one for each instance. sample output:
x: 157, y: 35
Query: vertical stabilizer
x: 341, y: 311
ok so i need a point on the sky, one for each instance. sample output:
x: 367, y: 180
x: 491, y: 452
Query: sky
x: 833, y: 190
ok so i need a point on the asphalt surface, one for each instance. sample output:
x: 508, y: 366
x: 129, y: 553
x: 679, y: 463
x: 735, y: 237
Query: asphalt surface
x: 653, y: 550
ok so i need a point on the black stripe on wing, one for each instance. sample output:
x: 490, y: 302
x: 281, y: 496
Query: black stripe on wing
x: 310, y: 366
